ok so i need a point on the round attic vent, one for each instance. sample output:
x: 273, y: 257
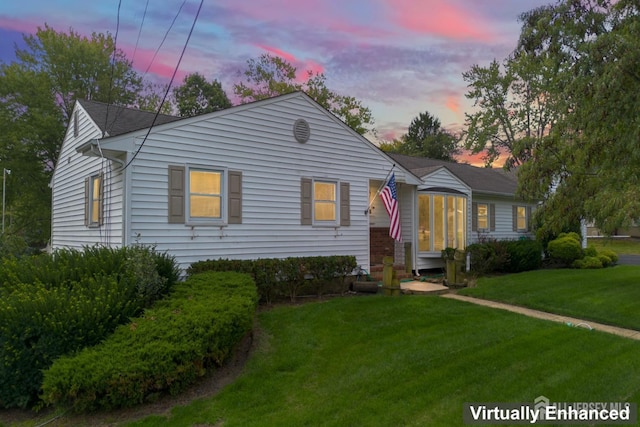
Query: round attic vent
x: 301, y: 131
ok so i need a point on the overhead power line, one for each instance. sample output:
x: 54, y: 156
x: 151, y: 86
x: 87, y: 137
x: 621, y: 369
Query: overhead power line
x: 175, y: 71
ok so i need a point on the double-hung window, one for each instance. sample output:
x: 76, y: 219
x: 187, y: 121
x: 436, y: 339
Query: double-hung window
x: 521, y: 218
x: 483, y: 216
x: 93, y: 201
x: 324, y: 202
x: 201, y: 195
x: 205, y: 194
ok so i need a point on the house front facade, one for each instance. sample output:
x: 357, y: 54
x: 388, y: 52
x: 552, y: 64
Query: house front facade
x: 270, y: 179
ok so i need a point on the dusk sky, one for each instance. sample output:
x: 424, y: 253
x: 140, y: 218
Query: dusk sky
x: 399, y: 57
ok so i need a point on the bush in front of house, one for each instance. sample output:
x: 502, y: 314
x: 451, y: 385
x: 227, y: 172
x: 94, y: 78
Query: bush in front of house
x: 505, y: 256
x: 288, y: 277
x: 588, y: 262
x: 565, y: 249
x: 488, y: 257
x: 194, y: 329
x: 524, y: 255
x: 51, y: 305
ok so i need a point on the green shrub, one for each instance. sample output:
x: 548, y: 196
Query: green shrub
x: 590, y: 251
x: 51, y: 305
x: 610, y: 254
x: 287, y: 277
x: 565, y: 250
x: 571, y: 235
x: 587, y: 262
x: 489, y: 257
x: 524, y: 255
x: 38, y: 324
x: 605, y: 260
x: 165, y: 350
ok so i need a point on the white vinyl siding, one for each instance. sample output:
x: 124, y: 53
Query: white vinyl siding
x: 257, y: 139
x: 503, y: 223
x: 68, y: 228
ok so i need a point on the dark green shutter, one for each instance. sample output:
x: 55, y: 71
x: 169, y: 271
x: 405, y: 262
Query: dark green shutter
x: 235, y: 197
x: 86, y: 201
x: 492, y: 216
x: 306, y: 201
x: 474, y: 216
x: 345, y: 202
x: 101, y: 199
x: 176, y: 194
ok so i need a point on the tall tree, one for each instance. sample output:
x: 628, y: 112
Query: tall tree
x: 198, y: 96
x: 270, y: 76
x: 37, y: 93
x: 426, y: 137
x: 586, y: 165
x: 512, y: 108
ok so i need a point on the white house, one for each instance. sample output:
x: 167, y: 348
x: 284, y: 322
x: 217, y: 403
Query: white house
x: 270, y: 179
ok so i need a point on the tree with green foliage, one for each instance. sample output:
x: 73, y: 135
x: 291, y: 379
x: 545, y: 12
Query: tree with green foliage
x: 583, y: 57
x: 512, y: 109
x: 198, y: 96
x: 38, y: 91
x: 270, y: 76
x: 426, y: 137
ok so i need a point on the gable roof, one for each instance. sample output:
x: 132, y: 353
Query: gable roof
x: 116, y: 120
x: 481, y: 180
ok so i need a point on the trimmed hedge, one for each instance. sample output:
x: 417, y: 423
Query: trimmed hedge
x: 165, y: 350
x: 505, y: 256
x: 51, y: 305
x: 565, y: 250
x: 286, y: 277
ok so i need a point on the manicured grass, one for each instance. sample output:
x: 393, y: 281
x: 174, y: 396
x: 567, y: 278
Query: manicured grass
x: 414, y: 361
x: 608, y: 295
x: 626, y: 246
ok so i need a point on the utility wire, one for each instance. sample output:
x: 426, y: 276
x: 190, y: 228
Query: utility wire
x: 175, y: 71
x: 144, y: 15
x: 155, y: 53
x: 113, y: 66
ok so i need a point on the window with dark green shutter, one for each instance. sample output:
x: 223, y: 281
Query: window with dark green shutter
x: 203, y: 196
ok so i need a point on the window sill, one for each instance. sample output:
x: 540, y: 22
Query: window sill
x: 205, y: 224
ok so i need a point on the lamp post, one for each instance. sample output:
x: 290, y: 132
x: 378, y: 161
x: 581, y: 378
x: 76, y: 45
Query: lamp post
x: 5, y: 172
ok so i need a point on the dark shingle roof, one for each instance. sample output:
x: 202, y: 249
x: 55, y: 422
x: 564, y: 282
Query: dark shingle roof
x: 483, y: 180
x: 121, y: 120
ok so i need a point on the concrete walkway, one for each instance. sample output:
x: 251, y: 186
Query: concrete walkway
x: 627, y: 333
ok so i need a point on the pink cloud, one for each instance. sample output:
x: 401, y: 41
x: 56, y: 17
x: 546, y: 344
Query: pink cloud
x: 163, y: 65
x: 453, y: 104
x: 440, y: 18
x: 21, y: 26
x: 302, y: 67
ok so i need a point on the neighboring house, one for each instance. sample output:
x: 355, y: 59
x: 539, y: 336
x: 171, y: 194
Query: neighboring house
x: 271, y: 179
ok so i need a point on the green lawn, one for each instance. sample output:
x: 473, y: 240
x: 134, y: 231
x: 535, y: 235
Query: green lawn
x: 608, y: 295
x: 410, y: 360
x: 626, y: 246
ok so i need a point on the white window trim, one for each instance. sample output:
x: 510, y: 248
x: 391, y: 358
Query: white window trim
x: 488, y: 227
x: 526, y: 219
x: 91, y: 223
x: 196, y: 221
x: 446, y: 220
x: 336, y: 205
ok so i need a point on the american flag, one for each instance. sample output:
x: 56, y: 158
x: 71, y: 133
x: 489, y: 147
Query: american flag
x: 389, y: 196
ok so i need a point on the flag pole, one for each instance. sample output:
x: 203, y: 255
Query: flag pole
x: 379, y: 189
